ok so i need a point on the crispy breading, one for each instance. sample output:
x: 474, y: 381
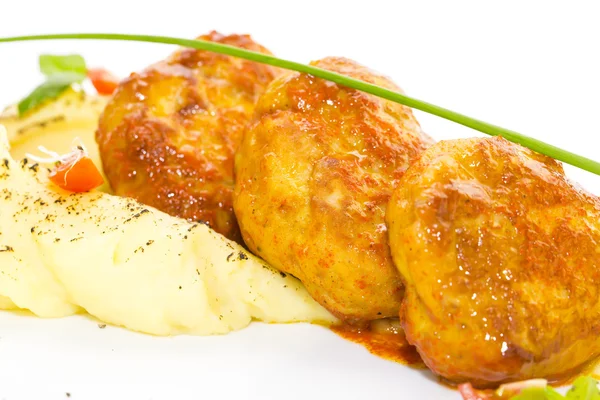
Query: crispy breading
x: 499, y: 255
x: 168, y: 136
x: 314, y: 174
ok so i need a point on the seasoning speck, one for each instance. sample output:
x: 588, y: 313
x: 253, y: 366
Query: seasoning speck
x: 101, y: 326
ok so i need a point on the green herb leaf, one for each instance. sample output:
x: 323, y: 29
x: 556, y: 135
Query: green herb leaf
x: 531, y: 394
x: 52, y: 65
x: 546, y: 393
x: 552, y: 394
x: 584, y: 388
x: 52, y: 88
x: 487, y: 128
x: 61, y: 72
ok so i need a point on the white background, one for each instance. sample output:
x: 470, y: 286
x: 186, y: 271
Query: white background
x: 529, y: 66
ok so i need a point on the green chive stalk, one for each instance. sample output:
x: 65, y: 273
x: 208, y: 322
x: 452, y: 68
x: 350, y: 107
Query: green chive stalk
x: 481, y: 126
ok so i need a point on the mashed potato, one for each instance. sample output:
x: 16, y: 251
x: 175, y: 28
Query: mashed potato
x: 129, y: 264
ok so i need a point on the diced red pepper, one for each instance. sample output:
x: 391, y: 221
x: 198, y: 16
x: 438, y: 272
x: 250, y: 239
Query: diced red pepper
x: 78, y: 173
x: 104, y: 81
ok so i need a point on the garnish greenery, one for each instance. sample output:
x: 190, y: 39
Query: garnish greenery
x: 546, y: 393
x: 487, y: 128
x: 584, y: 388
x: 61, y: 72
x: 52, y: 65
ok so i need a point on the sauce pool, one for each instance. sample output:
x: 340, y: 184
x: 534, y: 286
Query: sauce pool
x: 389, y: 345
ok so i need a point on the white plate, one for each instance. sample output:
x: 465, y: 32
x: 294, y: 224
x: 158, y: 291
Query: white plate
x: 510, y: 63
x: 263, y: 361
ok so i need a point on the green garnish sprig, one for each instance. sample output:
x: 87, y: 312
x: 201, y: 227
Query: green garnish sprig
x: 481, y: 126
x: 584, y: 388
x: 61, y: 72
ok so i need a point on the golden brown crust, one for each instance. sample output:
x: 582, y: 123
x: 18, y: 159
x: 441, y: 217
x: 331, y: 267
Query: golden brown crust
x: 314, y: 174
x: 168, y: 136
x: 499, y: 254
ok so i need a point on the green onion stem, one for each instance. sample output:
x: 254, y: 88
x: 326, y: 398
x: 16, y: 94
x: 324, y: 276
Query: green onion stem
x: 487, y: 128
